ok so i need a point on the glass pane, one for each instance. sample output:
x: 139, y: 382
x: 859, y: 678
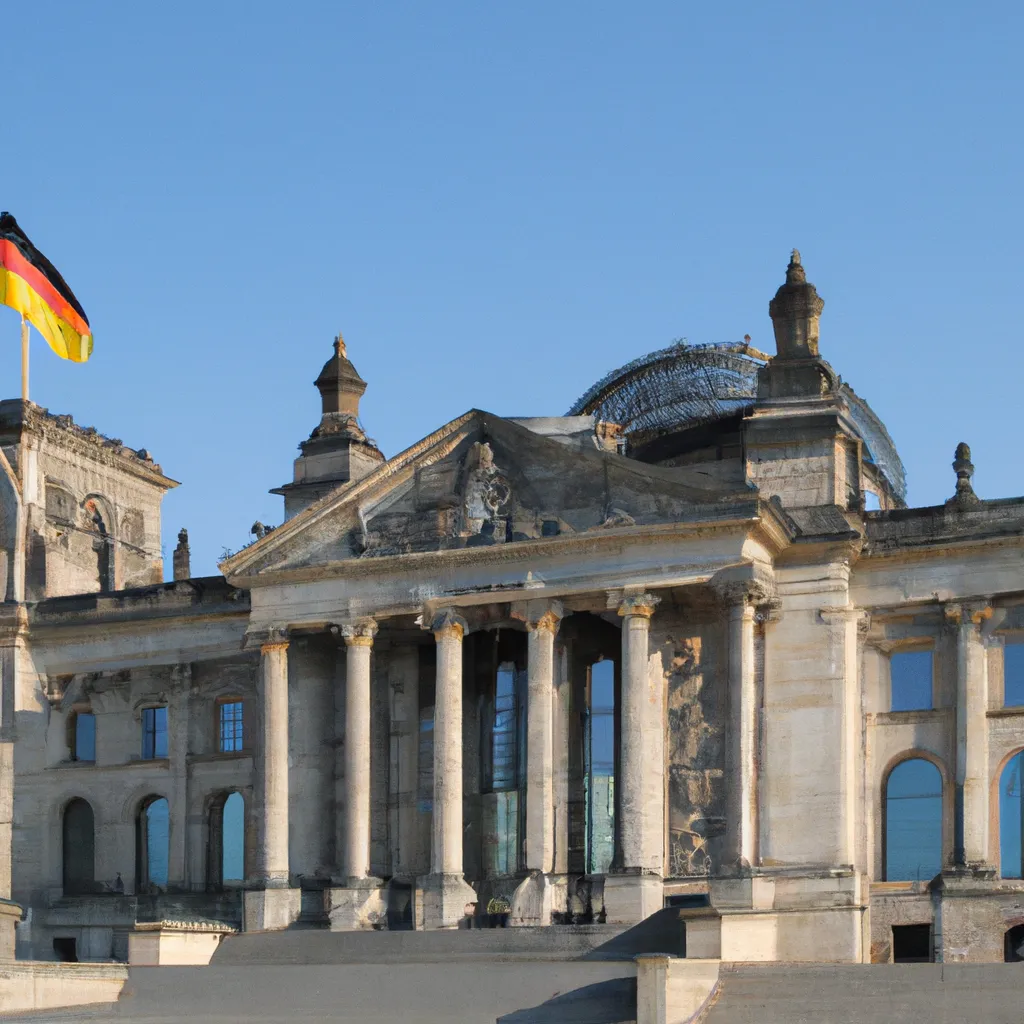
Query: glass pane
x: 231, y: 726
x: 1011, y: 818
x: 911, y: 676
x: 602, y: 827
x: 1013, y: 675
x: 233, y: 839
x: 504, y: 844
x: 158, y: 835
x: 913, y: 822
x: 602, y: 686
x: 425, y: 787
x: 161, y: 732
x: 85, y: 737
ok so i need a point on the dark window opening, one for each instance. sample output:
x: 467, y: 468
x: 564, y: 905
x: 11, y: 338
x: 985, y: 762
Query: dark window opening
x: 910, y: 676
x: 154, y: 732
x: 1013, y: 675
x: 83, y: 737
x: 911, y: 943
x: 1014, y: 945
x: 230, y: 732
x: 65, y: 950
x: 913, y: 822
x: 79, y: 841
x: 226, y: 853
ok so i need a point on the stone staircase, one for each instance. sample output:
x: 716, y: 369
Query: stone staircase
x: 868, y: 994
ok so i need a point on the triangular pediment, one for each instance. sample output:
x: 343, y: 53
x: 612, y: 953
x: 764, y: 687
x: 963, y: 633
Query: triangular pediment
x: 480, y: 480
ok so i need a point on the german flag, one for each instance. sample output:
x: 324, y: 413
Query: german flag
x: 30, y: 283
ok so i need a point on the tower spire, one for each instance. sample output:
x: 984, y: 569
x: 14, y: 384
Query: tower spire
x: 795, y: 311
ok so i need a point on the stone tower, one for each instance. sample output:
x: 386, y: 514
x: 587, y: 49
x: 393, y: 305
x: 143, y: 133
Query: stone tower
x: 338, y: 450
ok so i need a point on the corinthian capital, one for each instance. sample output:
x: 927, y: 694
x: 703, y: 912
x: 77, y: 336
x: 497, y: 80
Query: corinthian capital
x: 974, y: 612
x: 638, y: 604
x: 359, y: 634
x: 447, y: 623
x: 543, y: 615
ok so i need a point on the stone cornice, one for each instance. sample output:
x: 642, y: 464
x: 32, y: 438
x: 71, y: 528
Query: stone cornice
x: 534, y: 551
x: 88, y: 443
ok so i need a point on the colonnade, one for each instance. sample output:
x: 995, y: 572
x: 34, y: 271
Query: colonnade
x: 632, y: 893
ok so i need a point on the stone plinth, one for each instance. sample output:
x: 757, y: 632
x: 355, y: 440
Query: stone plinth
x: 629, y: 898
x: 447, y: 901
x: 358, y: 907
x: 268, y: 910
x: 10, y: 915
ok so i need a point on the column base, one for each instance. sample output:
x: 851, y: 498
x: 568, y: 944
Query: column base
x: 533, y: 901
x: 361, y: 905
x: 270, y: 910
x: 631, y: 898
x: 448, y: 900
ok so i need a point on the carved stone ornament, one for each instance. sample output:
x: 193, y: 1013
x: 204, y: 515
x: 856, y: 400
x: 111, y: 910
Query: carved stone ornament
x: 964, y: 498
x: 975, y: 612
x: 272, y: 640
x: 448, y: 624
x: 359, y: 634
x: 638, y: 604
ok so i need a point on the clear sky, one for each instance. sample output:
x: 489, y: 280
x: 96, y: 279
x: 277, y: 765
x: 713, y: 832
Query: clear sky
x: 499, y: 203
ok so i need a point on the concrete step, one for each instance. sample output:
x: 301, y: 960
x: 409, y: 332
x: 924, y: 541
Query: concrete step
x: 441, y: 993
x: 660, y: 933
x: 869, y: 994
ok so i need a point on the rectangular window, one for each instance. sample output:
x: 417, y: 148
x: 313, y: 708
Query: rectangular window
x: 230, y: 726
x: 1013, y: 675
x: 85, y: 737
x: 154, y: 732
x: 910, y: 676
x: 504, y: 731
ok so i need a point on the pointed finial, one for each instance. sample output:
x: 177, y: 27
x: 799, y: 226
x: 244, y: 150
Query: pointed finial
x: 964, y: 468
x: 339, y: 345
x: 794, y: 258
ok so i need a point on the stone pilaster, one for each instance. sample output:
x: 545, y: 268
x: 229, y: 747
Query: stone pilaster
x: 446, y: 895
x: 635, y: 891
x: 741, y: 748
x: 971, y: 817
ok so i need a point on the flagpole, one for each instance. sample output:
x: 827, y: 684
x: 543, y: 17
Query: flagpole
x: 24, y: 358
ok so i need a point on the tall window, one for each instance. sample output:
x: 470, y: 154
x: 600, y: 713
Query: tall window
x: 83, y: 737
x: 78, y: 848
x: 154, y: 732
x: 226, y: 863
x: 1013, y: 675
x: 229, y: 719
x: 599, y: 767
x: 153, y: 837
x: 503, y: 769
x: 910, y: 675
x: 1011, y: 818
x: 913, y: 822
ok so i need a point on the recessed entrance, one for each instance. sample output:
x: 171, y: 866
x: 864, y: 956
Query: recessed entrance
x: 65, y: 950
x: 911, y: 943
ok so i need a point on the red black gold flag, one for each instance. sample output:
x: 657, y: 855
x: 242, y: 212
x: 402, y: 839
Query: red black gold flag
x: 30, y: 283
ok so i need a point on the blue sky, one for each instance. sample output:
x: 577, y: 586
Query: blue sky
x: 497, y: 204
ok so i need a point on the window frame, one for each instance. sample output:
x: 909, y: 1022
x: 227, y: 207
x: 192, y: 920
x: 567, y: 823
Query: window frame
x: 927, y: 647
x: 156, y: 755
x: 72, y: 735
x: 219, y: 707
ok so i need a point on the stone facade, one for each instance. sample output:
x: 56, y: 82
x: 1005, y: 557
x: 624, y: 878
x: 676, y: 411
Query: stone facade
x: 527, y: 672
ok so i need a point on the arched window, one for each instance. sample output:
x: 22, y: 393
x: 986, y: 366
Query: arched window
x: 79, y: 849
x: 227, y: 841
x: 153, y: 835
x: 913, y: 822
x: 599, y: 766
x: 1013, y: 944
x: 1011, y: 818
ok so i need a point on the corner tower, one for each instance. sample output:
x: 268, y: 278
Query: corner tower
x: 338, y: 450
x: 801, y: 443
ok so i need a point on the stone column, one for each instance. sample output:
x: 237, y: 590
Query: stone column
x: 635, y: 892
x: 403, y: 677
x: 740, y: 769
x: 276, y: 905
x: 356, y: 852
x: 971, y: 832
x: 178, y: 716
x: 446, y: 895
x: 532, y: 901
